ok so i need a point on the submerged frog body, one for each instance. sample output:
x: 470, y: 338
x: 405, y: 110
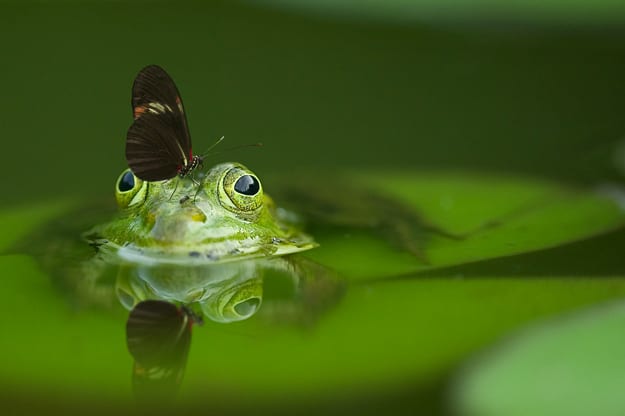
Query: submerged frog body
x: 222, y: 216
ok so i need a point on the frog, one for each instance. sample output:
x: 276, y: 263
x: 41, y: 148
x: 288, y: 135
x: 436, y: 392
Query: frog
x: 208, y: 242
x: 220, y: 217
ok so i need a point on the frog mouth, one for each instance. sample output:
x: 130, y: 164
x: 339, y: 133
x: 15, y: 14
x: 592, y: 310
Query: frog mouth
x: 214, y: 252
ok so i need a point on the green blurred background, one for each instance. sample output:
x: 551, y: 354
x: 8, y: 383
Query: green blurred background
x: 529, y: 87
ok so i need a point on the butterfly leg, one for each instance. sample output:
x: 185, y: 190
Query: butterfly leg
x: 199, y: 187
x: 175, y: 189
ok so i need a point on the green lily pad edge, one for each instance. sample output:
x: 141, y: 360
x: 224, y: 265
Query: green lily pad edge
x: 496, y: 215
x: 570, y: 365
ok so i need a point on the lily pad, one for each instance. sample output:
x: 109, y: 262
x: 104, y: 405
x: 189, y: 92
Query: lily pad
x: 568, y: 366
x: 495, y: 216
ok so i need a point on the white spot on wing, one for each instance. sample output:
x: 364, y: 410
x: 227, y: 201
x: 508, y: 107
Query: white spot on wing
x: 158, y: 108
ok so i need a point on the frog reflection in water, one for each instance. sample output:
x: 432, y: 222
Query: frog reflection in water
x: 210, y: 251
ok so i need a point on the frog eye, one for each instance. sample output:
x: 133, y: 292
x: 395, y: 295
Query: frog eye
x: 243, y: 191
x: 126, y: 182
x: 129, y: 190
x: 247, y: 185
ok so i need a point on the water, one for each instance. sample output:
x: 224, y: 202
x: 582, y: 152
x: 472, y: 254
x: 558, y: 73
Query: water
x: 323, y: 94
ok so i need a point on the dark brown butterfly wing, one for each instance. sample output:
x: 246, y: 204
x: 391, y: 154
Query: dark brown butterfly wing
x: 153, y: 150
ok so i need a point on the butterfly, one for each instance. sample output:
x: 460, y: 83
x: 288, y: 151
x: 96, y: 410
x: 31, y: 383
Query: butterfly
x: 158, y: 143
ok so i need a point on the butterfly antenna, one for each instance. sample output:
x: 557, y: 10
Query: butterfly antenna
x: 239, y: 147
x: 211, y: 147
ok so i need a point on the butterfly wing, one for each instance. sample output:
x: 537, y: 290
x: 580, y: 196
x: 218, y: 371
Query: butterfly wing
x: 157, y: 150
x: 153, y: 151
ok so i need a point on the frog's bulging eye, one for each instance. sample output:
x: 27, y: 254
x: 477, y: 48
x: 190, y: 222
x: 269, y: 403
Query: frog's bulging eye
x: 126, y: 182
x: 247, y: 185
x: 243, y: 192
x: 129, y: 189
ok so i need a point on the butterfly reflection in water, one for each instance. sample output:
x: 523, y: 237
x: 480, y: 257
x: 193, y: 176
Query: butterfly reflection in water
x: 158, y: 336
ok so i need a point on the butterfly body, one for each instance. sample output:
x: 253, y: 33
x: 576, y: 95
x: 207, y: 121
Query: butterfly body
x: 196, y: 161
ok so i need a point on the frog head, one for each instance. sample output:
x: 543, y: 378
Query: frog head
x: 222, y: 215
